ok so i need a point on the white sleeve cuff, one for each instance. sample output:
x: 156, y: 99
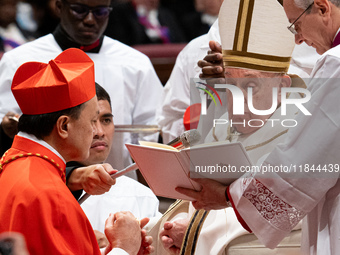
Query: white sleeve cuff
x: 116, y: 251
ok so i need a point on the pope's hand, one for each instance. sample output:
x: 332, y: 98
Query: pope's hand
x: 210, y: 197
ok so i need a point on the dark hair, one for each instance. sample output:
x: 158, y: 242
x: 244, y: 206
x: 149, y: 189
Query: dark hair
x: 102, y: 94
x: 42, y: 125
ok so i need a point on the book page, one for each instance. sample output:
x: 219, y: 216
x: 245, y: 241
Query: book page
x: 157, y: 145
x: 209, y: 144
x: 163, y: 170
x: 221, y: 161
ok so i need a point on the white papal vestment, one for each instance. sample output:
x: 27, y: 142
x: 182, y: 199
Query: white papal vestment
x: 272, y: 206
x: 221, y: 226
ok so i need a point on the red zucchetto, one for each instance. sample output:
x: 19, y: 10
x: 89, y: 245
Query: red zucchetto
x: 64, y: 82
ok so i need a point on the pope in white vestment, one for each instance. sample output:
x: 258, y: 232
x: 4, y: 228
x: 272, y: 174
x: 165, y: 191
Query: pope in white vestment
x: 217, y: 231
x: 316, y: 193
x: 220, y: 227
x: 271, y: 204
x: 312, y: 148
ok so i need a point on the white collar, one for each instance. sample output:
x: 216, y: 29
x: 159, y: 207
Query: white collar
x: 41, y: 142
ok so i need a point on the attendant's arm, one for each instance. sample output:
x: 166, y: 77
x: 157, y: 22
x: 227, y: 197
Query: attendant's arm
x: 8, y: 104
x: 146, y: 97
x: 175, y: 99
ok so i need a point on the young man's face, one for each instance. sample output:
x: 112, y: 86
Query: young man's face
x: 88, y: 29
x: 102, y: 140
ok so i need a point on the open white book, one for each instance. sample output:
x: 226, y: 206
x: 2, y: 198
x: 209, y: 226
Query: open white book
x: 164, y: 168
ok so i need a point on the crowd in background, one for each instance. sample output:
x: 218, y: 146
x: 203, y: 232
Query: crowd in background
x: 132, y: 22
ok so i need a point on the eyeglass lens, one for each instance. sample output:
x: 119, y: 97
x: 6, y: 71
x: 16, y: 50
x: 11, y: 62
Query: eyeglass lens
x: 81, y: 11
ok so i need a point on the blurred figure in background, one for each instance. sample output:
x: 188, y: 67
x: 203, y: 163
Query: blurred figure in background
x: 199, y: 22
x: 143, y: 22
x: 11, y: 34
x: 45, y: 16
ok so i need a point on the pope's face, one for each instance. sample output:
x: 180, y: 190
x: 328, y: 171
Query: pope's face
x: 84, y: 31
x: 102, y: 140
x: 311, y: 27
x: 262, y: 85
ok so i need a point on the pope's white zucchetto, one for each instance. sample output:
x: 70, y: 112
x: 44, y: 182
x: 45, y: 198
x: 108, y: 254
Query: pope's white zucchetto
x: 254, y: 35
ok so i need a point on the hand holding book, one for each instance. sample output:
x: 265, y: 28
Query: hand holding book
x: 165, y: 168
